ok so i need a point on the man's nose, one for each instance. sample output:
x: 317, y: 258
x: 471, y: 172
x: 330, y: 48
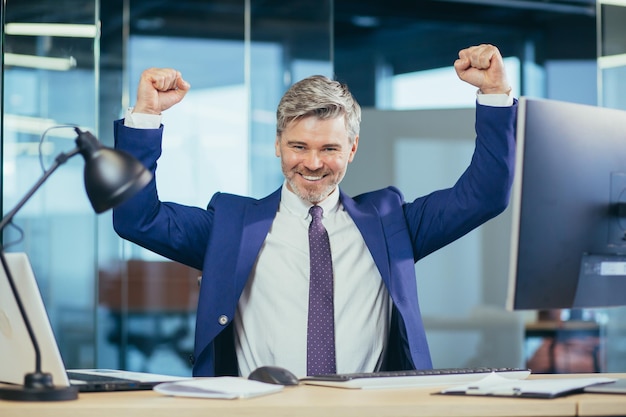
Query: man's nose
x: 313, y: 161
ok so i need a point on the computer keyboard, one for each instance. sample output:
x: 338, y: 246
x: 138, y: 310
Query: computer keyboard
x: 412, y: 378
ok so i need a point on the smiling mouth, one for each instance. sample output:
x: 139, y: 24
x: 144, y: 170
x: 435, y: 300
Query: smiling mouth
x: 313, y: 177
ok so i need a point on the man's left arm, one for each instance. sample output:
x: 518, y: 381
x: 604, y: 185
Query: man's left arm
x: 483, y: 190
x: 481, y: 193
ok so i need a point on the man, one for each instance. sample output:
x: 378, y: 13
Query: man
x: 253, y: 308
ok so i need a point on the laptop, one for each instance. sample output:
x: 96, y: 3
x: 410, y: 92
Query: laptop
x: 18, y: 355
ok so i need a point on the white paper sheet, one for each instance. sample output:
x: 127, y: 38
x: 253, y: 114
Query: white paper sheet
x: 224, y: 387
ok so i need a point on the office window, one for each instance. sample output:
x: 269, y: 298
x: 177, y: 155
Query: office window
x: 441, y: 88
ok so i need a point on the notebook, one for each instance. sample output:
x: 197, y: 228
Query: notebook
x: 18, y: 356
x: 497, y: 386
x: 615, y: 387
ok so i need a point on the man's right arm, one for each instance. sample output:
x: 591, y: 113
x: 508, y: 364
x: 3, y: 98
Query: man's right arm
x: 175, y: 231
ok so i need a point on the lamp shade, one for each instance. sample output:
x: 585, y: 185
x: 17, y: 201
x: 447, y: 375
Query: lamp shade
x: 111, y: 176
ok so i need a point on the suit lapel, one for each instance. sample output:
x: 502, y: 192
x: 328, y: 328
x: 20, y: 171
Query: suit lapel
x: 257, y: 221
x: 367, y: 219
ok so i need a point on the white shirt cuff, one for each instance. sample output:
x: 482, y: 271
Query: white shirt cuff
x: 141, y: 120
x: 494, y: 100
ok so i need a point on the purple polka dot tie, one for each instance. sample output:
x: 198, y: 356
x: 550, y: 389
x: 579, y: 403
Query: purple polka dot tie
x: 320, y: 355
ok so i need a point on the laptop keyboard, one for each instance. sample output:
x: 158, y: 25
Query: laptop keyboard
x: 412, y: 378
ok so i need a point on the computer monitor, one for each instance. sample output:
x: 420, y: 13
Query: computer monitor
x: 568, y: 240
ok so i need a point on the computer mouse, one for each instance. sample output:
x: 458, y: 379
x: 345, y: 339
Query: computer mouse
x: 274, y: 375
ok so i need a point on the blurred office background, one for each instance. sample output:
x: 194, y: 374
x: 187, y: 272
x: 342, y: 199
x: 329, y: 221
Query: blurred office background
x: 113, y: 304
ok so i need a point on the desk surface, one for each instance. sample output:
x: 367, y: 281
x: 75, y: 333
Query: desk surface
x: 321, y: 401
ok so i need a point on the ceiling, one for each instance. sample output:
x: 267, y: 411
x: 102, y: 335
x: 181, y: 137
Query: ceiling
x: 410, y: 35
x: 566, y: 28
x: 575, y: 19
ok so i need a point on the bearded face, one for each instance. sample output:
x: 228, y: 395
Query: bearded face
x: 314, y: 155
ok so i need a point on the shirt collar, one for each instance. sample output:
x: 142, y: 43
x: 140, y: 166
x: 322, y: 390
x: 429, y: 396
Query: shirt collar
x: 300, y: 207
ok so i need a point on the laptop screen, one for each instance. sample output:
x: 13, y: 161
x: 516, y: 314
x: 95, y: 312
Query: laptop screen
x: 16, y: 348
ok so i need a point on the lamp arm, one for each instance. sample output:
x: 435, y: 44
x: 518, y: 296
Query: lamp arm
x: 101, y: 165
x: 58, y: 161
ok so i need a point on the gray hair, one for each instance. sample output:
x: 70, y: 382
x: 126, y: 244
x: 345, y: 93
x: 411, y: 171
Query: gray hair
x: 321, y: 97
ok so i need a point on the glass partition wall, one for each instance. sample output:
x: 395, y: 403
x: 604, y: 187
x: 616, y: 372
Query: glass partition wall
x: 111, y: 303
x: 611, y: 15
x: 50, y: 75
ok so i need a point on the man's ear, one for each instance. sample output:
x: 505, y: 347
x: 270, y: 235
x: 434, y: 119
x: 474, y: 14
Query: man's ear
x: 355, y: 146
x: 277, y: 146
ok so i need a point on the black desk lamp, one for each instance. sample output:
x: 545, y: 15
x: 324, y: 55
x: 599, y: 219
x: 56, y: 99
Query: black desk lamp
x: 111, y: 176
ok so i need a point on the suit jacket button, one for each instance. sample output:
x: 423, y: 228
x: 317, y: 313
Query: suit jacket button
x: 223, y: 319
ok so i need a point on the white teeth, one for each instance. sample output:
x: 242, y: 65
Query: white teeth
x: 309, y: 178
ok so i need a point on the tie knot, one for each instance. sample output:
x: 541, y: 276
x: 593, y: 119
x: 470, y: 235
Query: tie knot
x: 316, y: 212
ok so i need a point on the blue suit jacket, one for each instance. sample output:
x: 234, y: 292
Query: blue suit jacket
x: 224, y: 239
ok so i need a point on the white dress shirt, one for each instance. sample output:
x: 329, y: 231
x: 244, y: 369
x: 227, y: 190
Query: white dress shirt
x: 271, y: 319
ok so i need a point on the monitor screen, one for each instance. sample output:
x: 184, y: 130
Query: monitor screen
x: 568, y: 240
